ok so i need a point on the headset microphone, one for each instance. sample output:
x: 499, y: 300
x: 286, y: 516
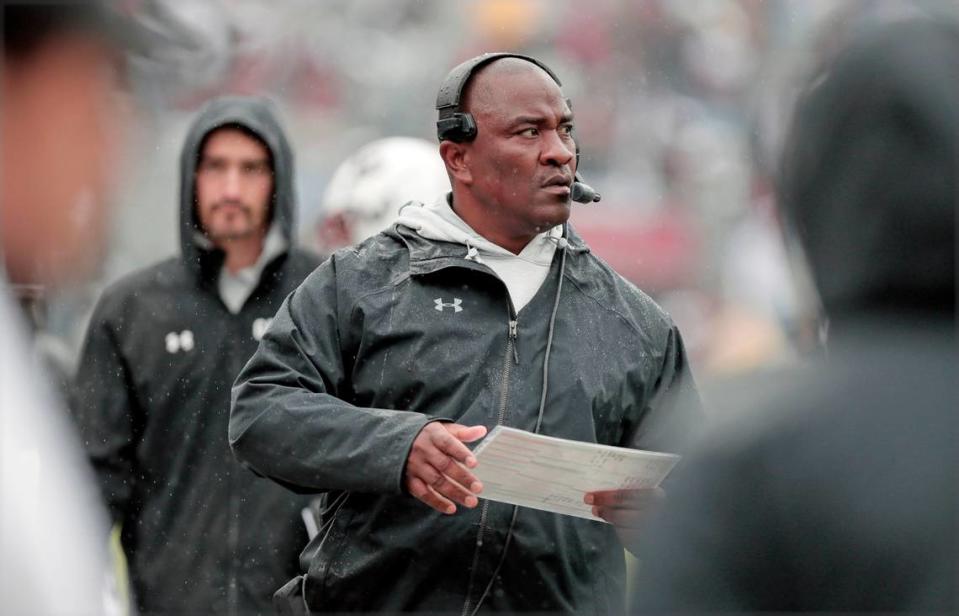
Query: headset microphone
x: 583, y: 193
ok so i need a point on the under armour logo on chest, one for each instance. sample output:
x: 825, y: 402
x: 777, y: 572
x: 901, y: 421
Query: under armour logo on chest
x: 176, y: 342
x: 456, y: 304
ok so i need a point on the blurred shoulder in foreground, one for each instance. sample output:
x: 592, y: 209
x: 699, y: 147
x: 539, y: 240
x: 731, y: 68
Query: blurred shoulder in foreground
x: 61, y: 124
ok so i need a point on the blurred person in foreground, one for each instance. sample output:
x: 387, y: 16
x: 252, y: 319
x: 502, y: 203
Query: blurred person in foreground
x: 60, y: 123
x: 481, y: 308
x: 202, y: 534
x: 842, y: 494
x: 368, y: 188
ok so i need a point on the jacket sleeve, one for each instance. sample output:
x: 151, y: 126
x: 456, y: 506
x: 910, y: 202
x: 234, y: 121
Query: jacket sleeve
x: 671, y: 416
x: 289, y: 420
x: 107, y: 415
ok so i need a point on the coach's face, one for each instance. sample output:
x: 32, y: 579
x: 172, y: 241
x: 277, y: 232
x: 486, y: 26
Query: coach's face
x: 522, y: 161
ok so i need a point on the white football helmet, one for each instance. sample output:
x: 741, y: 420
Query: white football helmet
x: 367, y: 190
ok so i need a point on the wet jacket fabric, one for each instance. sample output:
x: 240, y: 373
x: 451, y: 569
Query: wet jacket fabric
x: 401, y: 330
x: 202, y: 534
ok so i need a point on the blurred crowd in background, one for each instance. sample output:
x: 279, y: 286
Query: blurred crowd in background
x: 680, y: 111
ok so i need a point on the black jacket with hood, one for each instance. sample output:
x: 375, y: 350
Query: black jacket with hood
x: 402, y: 330
x: 202, y: 534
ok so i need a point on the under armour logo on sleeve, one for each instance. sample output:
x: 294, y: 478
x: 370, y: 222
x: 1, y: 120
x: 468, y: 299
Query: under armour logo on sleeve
x: 456, y: 304
x: 176, y: 342
x: 260, y: 326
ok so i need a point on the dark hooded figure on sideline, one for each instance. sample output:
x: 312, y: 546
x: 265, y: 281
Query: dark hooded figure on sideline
x: 841, y: 494
x: 202, y: 534
x: 482, y: 308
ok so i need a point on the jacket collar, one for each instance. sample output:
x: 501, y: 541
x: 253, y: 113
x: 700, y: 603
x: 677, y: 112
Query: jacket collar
x: 428, y: 256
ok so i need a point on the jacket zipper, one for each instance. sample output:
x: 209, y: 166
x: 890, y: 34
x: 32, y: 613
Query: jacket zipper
x: 476, y: 555
x: 233, y: 531
x: 501, y: 416
x: 512, y: 342
x: 232, y: 540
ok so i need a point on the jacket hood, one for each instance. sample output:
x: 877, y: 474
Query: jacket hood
x: 868, y: 181
x: 438, y: 221
x: 257, y: 115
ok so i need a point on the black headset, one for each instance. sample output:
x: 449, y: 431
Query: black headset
x: 454, y: 124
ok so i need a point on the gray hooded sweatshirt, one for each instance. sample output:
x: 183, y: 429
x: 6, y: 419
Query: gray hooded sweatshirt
x: 523, y: 273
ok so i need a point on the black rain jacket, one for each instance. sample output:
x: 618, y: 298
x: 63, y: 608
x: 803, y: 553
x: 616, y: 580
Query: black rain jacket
x: 202, y: 534
x: 401, y: 330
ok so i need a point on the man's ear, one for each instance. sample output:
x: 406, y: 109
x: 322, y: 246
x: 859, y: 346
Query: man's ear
x: 455, y: 157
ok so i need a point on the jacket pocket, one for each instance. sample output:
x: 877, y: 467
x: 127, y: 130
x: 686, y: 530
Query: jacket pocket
x: 609, y: 597
x: 290, y: 600
x: 323, y: 547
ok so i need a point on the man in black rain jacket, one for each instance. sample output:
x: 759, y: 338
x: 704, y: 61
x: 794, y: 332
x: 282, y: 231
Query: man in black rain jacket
x: 202, y: 534
x: 395, y: 352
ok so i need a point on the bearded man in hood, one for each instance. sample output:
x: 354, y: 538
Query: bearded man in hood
x: 201, y: 533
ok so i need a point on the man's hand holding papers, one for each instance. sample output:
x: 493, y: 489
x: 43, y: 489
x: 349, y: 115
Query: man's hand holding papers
x: 559, y: 475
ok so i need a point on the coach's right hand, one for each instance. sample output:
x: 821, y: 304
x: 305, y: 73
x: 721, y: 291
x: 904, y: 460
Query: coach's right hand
x: 437, y: 470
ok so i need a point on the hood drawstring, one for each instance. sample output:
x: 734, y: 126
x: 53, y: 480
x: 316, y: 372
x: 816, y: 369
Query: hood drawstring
x: 472, y: 254
x: 561, y: 242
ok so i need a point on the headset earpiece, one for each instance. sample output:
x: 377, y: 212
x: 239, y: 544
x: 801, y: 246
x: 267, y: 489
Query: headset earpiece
x: 458, y: 128
x: 457, y: 125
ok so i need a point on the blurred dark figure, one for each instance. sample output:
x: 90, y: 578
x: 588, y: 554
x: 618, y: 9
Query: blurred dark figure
x: 842, y: 495
x: 60, y: 123
x: 202, y: 534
